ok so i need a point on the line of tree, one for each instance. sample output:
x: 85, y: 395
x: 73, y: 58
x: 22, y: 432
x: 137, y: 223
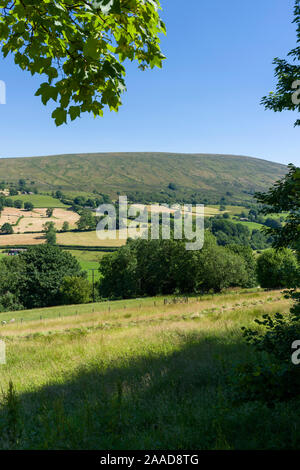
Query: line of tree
x: 149, y: 268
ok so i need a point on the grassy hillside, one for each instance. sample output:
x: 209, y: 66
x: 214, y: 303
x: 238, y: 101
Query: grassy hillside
x: 137, y: 375
x: 213, y: 176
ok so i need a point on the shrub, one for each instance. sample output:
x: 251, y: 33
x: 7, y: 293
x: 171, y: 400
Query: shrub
x: 6, y: 229
x: 28, y: 206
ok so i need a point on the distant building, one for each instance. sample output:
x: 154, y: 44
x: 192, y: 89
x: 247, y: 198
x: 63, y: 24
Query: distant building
x: 16, y: 251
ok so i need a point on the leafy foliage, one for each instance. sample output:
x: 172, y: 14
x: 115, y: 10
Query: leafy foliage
x: 288, y: 75
x: 277, y: 269
x: 75, y: 290
x: 274, y: 377
x: 6, y: 229
x: 35, y: 276
x: 81, y: 47
x: 284, y: 197
x: 155, y: 267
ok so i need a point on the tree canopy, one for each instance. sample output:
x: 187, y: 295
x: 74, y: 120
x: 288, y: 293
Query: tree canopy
x: 80, y: 47
x: 285, y: 197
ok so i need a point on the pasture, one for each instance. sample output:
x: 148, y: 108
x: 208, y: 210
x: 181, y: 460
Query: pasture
x: 39, y: 200
x: 89, y: 260
x: 137, y: 374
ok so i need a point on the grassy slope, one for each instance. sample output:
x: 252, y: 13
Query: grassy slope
x: 147, y: 172
x: 140, y: 377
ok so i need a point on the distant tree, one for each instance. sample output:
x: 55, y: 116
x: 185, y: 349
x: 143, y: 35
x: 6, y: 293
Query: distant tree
x: 259, y: 240
x: 28, y: 206
x: 9, y: 202
x: 6, y: 229
x: 79, y: 201
x: 51, y: 237
x: 228, y: 232
x: 252, y: 215
x: 50, y: 233
x: 18, y: 204
x: 49, y: 212
x: 65, y: 227
x: 13, y: 192
x: 273, y: 223
x: 173, y: 186
x: 87, y: 221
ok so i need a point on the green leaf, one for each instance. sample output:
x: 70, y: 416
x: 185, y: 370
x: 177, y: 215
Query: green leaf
x: 60, y: 116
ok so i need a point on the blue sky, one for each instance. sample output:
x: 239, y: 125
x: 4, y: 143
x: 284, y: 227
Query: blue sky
x: 206, y: 99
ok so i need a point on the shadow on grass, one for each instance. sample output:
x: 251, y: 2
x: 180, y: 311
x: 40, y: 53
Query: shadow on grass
x: 179, y: 401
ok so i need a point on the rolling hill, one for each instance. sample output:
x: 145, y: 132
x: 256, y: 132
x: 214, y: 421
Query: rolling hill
x: 208, y: 176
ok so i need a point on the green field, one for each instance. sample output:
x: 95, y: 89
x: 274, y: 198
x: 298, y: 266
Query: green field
x: 40, y: 200
x: 89, y: 260
x: 232, y: 210
x: 137, y: 375
x: 215, y: 176
x: 251, y: 225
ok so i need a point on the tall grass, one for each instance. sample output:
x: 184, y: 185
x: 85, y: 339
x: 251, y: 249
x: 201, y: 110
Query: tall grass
x: 140, y: 377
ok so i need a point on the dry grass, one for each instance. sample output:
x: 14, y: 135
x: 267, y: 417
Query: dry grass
x: 219, y: 311
x: 33, y: 221
x: 22, y: 239
x: 86, y: 239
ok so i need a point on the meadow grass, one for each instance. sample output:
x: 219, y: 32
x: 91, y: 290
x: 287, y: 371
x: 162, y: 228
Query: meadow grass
x: 89, y: 260
x: 251, y: 225
x: 138, y: 375
x: 39, y: 200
